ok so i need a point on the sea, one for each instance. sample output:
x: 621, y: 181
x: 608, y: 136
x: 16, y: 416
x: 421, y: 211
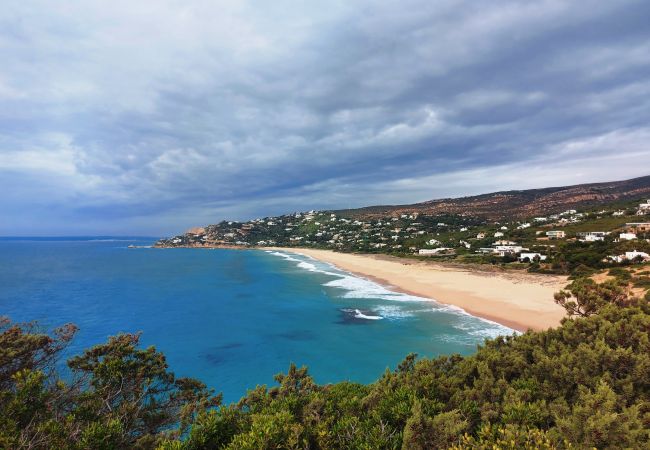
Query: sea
x: 231, y: 318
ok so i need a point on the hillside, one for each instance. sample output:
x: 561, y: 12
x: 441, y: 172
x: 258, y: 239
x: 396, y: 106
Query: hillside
x: 518, y: 204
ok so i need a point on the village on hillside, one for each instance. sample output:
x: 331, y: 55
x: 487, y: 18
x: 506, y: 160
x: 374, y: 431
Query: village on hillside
x: 557, y: 243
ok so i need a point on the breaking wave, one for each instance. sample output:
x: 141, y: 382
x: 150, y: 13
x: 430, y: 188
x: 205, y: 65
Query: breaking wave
x: 356, y: 287
x: 359, y: 315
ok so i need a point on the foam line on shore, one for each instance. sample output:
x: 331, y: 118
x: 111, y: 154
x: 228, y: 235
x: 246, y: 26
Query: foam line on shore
x: 363, y: 288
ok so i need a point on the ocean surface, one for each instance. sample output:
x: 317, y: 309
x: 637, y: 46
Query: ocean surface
x: 232, y: 318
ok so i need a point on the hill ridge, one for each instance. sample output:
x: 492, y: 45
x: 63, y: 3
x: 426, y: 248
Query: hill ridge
x: 516, y: 204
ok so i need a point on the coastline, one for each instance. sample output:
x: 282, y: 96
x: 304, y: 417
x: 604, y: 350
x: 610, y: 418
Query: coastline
x: 518, y: 301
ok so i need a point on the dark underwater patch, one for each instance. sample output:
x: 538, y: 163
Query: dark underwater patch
x: 228, y: 346
x: 297, y: 335
x: 218, y: 354
x: 214, y: 359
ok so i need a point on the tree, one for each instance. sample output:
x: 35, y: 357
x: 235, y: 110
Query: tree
x: 25, y: 347
x: 134, y: 387
x: 119, y: 396
x: 596, y: 421
x: 584, y: 297
x: 32, y: 403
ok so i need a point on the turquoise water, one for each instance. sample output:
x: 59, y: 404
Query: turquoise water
x: 232, y: 318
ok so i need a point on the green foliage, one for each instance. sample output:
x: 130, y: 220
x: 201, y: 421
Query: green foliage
x: 441, y: 431
x: 600, y: 419
x: 511, y: 438
x: 584, y: 384
x: 581, y: 271
x: 642, y: 282
x: 135, y: 386
x: 584, y: 297
x: 119, y: 396
x: 620, y: 273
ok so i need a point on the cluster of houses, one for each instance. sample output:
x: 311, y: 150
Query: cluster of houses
x: 644, y: 209
x: 323, y: 229
x: 633, y: 256
x: 504, y: 248
x: 631, y: 235
x: 410, y: 233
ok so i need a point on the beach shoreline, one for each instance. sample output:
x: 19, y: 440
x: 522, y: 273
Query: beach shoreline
x: 519, y: 301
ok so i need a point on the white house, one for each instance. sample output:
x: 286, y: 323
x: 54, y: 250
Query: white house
x: 592, y: 236
x: 644, y: 208
x: 498, y: 234
x: 433, y: 242
x: 433, y: 251
x: 531, y: 256
x: 523, y: 226
x: 627, y: 236
x: 511, y: 249
x: 504, y: 242
x: 480, y: 236
x: 555, y: 234
x: 630, y: 256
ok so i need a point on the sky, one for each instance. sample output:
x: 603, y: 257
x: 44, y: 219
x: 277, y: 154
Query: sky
x: 150, y: 117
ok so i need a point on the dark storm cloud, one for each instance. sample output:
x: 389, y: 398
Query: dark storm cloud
x: 156, y: 116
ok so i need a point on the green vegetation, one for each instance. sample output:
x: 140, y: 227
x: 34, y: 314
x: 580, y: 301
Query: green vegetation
x: 458, y: 238
x: 119, y: 396
x: 584, y: 384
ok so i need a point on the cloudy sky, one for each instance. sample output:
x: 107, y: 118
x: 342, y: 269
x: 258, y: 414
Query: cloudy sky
x: 148, y: 117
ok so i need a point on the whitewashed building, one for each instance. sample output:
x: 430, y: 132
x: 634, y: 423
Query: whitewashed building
x: 634, y: 255
x: 592, y: 236
x: 434, y: 251
x: 531, y: 256
x: 644, y: 208
x: 507, y: 249
x: 504, y: 242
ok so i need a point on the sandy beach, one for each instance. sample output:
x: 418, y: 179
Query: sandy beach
x: 518, y: 300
